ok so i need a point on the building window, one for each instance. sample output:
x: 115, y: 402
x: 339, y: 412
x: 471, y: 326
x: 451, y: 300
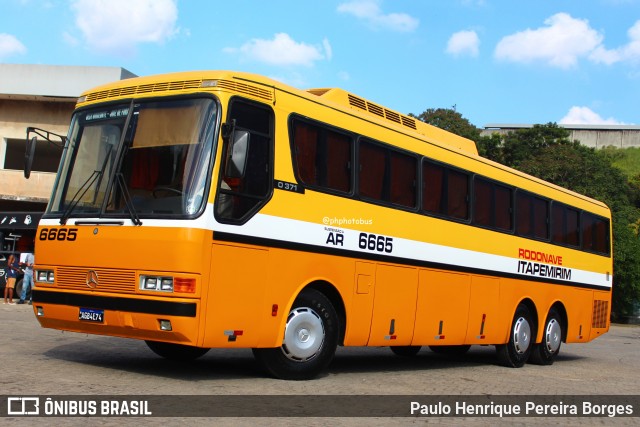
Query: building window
x: 47, y: 156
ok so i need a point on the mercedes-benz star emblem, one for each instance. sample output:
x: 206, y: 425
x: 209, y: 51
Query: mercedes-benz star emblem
x: 92, y: 279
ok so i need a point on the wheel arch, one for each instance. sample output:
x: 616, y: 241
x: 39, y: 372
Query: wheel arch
x: 334, y: 296
x: 564, y: 318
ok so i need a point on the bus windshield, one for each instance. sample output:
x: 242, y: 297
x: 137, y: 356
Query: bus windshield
x: 147, y: 159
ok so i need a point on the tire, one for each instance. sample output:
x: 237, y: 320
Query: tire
x: 177, y: 352
x: 310, y: 339
x: 450, y: 350
x: 17, y: 289
x: 406, y: 350
x: 516, y: 352
x: 545, y: 352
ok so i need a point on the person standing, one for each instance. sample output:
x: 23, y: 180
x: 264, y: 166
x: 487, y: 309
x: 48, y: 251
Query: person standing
x: 27, y: 281
x: 12, y: 272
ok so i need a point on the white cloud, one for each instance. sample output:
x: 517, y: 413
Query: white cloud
x: 117, y: 26
x: 295, y: 79
x: 327, y: 49
x: 10, y: 45
x: 283, y: 50
x: 369, y: 11
x: 629, y: 52
x: 586, y: 116
x: 560, y: 43
x: 464, y: 43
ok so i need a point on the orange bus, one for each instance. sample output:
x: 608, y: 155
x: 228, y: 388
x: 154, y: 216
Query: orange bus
x: 217, y: 209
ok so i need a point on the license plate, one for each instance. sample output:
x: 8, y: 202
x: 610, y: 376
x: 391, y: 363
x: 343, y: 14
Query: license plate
x: 91, y: 315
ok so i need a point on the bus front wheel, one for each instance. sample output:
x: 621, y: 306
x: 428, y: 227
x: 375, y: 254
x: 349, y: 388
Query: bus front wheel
x: 310, y: 339
x: 516, y: 351
x: 178, y: 352
x: 545, y: 352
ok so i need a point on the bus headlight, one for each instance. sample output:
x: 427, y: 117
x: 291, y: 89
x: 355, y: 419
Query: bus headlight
x: 167, y: 284
x: 155, y: 283
x: 45, y: 276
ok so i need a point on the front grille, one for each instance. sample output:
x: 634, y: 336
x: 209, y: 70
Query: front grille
x: 115, y: 281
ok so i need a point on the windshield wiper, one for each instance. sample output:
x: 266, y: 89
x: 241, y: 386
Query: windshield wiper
x: 96, y: 175
x: 78, y: 196
x: 127, y: 199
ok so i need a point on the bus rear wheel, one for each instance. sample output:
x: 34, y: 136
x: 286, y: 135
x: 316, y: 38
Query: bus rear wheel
x: 545, y: 352
x: 310, y: 339
x: 516, y: 352
x: 177, y: 352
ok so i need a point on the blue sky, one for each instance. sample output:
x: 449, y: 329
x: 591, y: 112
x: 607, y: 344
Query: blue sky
x: 496, y: 61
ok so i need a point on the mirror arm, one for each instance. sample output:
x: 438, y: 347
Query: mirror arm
x: 228, y: 128
x: 46, y: 135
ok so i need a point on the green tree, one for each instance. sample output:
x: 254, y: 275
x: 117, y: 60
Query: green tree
x: 524, y: 143
x: 490, y: 147
x: 450, y: 120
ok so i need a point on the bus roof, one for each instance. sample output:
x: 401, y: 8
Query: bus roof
x: 193, y: 79
x: 350, y: 100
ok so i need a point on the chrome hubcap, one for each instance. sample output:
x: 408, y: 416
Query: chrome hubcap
x: 521, y: 335
x: 553, y: 336
x: 304, y: 334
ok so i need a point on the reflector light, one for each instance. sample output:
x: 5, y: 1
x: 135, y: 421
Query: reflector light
x: 184, y: 284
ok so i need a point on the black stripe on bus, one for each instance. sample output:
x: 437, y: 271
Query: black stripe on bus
x: 134, y: 305
x: 304, y: 247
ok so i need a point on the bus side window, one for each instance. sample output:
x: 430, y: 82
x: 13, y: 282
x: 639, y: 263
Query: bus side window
x: 239, y: 198
x: 458, y: 195
x: 403, y: 179
x: 433, y: 188
x: 595, y: 234
x: 322, y: 157
x: 532, y: 216
x: 372, y: 171
x: 565, y: 225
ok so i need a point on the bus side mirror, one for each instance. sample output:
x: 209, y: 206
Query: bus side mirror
x: 28, y: 156
x: 238, y: 154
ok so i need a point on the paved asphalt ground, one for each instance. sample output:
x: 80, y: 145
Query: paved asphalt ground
x: 50, y: 363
